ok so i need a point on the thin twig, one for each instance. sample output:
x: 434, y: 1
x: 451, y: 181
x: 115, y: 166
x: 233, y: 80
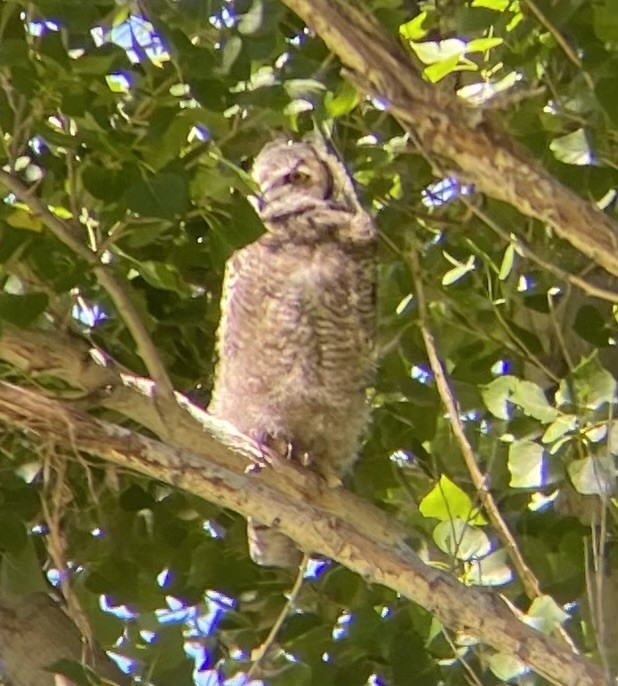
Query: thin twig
x: 473, y: 678
x: 528, y: 579
x: 67, y: 234
x: 263, y: 650
x: 582, y: 284
x: 527, y: 252
x: 560, y: 40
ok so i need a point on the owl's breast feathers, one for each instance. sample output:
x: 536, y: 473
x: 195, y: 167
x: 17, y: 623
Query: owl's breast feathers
x: 297, y: 331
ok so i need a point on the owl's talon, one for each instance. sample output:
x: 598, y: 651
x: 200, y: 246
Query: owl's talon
x: 273, y: 449
x: 253, y: 468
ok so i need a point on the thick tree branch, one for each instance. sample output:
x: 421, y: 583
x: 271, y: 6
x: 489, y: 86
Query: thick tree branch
x: 35, y: 633
x: 72, y: 359
x: 305, y: 509
x: 480, y: 152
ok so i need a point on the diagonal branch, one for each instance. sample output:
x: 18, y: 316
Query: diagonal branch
x: 529, y: 581
x: 67, y: 234
x: 479, y: 151
x: 314, y: 520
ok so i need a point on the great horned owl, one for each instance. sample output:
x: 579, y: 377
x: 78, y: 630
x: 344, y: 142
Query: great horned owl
x: 297, y: 333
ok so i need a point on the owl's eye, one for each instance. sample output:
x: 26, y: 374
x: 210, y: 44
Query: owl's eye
x: 298, y: 178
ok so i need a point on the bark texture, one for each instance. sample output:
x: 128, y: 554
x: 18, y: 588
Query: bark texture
x: 472, y: 145
x: 35, y: 633
x: 211, y: 463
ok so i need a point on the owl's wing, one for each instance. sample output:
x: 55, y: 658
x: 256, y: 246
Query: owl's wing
x: 242, y: 300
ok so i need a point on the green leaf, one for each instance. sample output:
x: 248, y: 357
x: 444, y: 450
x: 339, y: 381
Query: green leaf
x: 162, y: 275
x: 164, y: 195
x: 13, y: 536
x: 447, y: 501
x: 433, y: 52
x: 483, y: 44
x: 231, y: 52
x: 605, y: 16
x: 589, y: 385
x: 532, y: 401
x: 612, y: 438
x: 527, y: 464
x: 22, y: 310
x: 102, y: 60
x: 507, y: 667
x: 343, y: 102
x: 497, y: 5
x: 22, y: 219
x: 605, y: 91
x: 297, y: 674
x: 591, y: 325
x: 563, y: 424
x: 439, y: 70
x: 459, y: 271
x: 528, y: 396
x: 251, y: 21
x: 545, y: 614
x: 593, y: 475
x: 20, y: 569
x: 491, y: 570
x: 461, y: 540
x: 497, y: 394
x: 508, y: 260
x: 572, y: 148
x: 414, y: 30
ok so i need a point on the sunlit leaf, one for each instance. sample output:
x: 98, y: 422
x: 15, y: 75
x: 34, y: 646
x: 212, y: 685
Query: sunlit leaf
x: 459, y: 271
x: 497, y: 395
x: 461, y: 540
x: 438, y: 70
x: 447, y: 501
x: 563, y: 424
x: 413, y: 30
x: 545, y: 614
x: 343, y: 102
x: 431, y: 52
x: 532, y: 401
x: 251, y: 21
x: 589, y: 385
x: 491, y: 570
x: 507, y: 667
x: 21, y: 219
x: 527, y: 464
x: 508, y: 259
x: 498, y: 5
x: 572, y: 148
x: 593, y: 475
x: 483, y: 44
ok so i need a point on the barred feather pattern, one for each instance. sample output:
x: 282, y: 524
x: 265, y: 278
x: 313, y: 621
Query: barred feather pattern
x: 297, y: 333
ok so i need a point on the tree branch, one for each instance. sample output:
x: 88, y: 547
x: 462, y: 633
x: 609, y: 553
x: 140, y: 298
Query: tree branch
x: 480, y: 152
x: 529, y: 581
x: 302, y: 507
x: 35, y: 633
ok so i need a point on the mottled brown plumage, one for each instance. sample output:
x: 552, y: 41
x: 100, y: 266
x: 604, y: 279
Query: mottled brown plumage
x: 297, y: 333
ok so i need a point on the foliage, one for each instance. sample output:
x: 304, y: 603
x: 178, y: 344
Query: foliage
x: 137, y: 121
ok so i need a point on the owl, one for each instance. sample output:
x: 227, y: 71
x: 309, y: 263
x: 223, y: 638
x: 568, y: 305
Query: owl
x: 297, y: 334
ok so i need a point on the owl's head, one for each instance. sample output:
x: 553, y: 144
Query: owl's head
x: 289, y: 172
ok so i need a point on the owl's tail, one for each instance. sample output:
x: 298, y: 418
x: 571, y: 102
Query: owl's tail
x: 270, y: 548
